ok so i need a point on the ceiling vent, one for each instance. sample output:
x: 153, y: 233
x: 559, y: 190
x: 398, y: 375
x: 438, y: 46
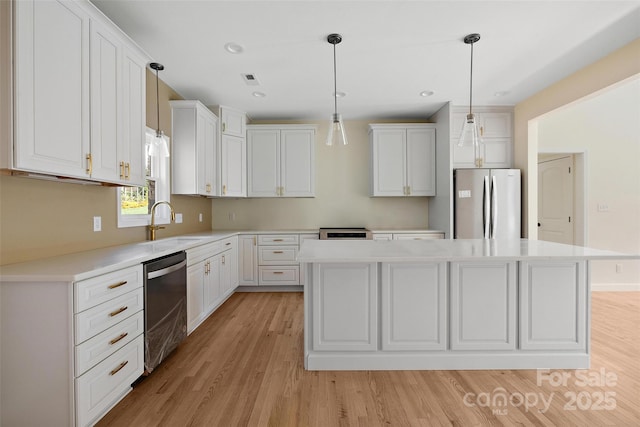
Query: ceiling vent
x: 251, y: 79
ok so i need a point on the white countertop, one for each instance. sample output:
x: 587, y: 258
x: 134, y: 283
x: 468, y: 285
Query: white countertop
x: 446, y: 250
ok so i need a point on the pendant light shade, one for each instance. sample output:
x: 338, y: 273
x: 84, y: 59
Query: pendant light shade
x: 469, y: 136
x: 336, y: 126
x: 159, y: 146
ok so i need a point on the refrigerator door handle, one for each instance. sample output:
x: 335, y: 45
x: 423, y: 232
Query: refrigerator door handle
x: 485, y: 207
x: 494, y: 207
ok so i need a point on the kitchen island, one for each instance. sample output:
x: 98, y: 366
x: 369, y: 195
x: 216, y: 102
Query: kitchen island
x: 447, y: 304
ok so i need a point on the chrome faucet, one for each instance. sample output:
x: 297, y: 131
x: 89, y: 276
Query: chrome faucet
x: 153, y: 227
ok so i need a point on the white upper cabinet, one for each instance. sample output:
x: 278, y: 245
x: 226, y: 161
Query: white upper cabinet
x: 231, y: 153
x: 233, y: 166
x: 193, y: 161
x: 496, y: 131
x: 281, y: 160
x: 232, y: 122
x: 79, y: 93
x: 402, y: 159
x: 51, y: 95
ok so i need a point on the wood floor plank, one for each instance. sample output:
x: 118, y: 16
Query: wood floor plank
x: 243, y: 367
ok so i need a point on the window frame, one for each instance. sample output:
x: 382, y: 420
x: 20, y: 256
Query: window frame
x: 163, y: 193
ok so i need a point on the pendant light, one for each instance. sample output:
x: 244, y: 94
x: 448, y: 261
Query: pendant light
x: 470, y: 137
x: 336, y: 126
x: 159, y: 145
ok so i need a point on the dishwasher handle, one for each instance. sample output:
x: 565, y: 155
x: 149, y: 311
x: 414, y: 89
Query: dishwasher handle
x: 167, y: 270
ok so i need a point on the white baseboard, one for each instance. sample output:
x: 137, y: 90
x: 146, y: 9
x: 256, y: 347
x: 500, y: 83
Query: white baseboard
x: 615, y: 287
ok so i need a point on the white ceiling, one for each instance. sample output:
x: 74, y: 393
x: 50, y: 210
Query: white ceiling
x: 391, y: 50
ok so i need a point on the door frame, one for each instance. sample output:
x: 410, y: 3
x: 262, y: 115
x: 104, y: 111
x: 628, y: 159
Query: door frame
x: 580, y: 226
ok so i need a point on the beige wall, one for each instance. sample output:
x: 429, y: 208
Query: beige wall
x: 42, y: 218
x: 342, y: 195
x: 607, y: 128
x: 617, y: 66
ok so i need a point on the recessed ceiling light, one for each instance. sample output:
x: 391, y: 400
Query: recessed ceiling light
x: 259, y: 94
x: 501, y: 93
x: 426, y: 93
x: 234, y: 48
x: 339, y: 94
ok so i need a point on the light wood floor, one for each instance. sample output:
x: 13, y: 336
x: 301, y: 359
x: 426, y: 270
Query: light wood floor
x: 243, y: 366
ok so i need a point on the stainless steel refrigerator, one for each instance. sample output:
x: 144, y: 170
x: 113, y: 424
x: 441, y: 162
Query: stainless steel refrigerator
x: 486, y: 203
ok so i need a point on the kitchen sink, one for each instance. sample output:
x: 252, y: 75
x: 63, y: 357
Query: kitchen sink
x: 177, y: 243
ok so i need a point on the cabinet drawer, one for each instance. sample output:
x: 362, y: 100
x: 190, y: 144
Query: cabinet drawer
x: 203, y: 252
x: 229, y: 243
x: 418, y: 236
x: 101, y: 387
x: 288, y: 275
x: 278, y: 239
x: 97, y: 319
x: 91, y: 292
x: 98, y: 348
x: 277, y: 255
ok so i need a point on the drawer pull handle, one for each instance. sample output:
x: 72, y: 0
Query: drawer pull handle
x: 115, y: 340
x: 278, y: 252
x: 278, y: 272
x: 118, y: 311
x: 117, y: 285
x: 278, y: 240
x: 227, y: 244
x: 120, y: 366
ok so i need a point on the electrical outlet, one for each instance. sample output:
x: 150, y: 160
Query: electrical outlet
x: 178, y: 218
x: 200, y: 217
x: 618, y: 268
x: 232, y: 216
x: 603, y: 207
x: 97, y: 223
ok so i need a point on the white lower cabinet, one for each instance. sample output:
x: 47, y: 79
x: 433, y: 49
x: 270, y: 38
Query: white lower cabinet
x: 277, y: 263
x: 483, y: 305
x: 414, y: 306
x: 345, y: 307
x: 100, y: 388
x: 212, y: 276
x: 85, y: 347
x: 553, y: 305
x: 248, y: 260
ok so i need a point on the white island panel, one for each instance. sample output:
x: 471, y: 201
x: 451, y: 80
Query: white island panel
x: 414, y: 301
x: 345, y: 310
x: 553, y: 308
x: 483, y: 305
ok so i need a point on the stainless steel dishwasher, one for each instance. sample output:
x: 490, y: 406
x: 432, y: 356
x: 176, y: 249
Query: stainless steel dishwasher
x: 165, y: 307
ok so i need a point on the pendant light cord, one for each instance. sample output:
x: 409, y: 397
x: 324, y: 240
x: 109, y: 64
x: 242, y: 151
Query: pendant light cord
x: 158, y: 104
x: 471, y: 81
x: 335, y: 83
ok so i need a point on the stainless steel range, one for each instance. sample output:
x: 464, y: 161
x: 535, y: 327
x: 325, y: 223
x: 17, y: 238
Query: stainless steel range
x: 345, y: 234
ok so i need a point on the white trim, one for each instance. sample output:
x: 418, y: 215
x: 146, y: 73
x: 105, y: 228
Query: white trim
x: 615, y: 287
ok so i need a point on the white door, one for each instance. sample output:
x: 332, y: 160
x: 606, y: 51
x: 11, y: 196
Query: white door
x: 134, y: 116
x: 105, y: 120
x: 555, y: 200
x: 297, y: 175
x: 389, y: 162
x: 209, y: 128
x: 264, y: 162
x: 233, y: 166
x: 421, y: 152
x: 52, y: 87
x: 248, y: 260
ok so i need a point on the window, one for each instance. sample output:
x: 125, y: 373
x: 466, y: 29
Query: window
x: 134, y: 203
